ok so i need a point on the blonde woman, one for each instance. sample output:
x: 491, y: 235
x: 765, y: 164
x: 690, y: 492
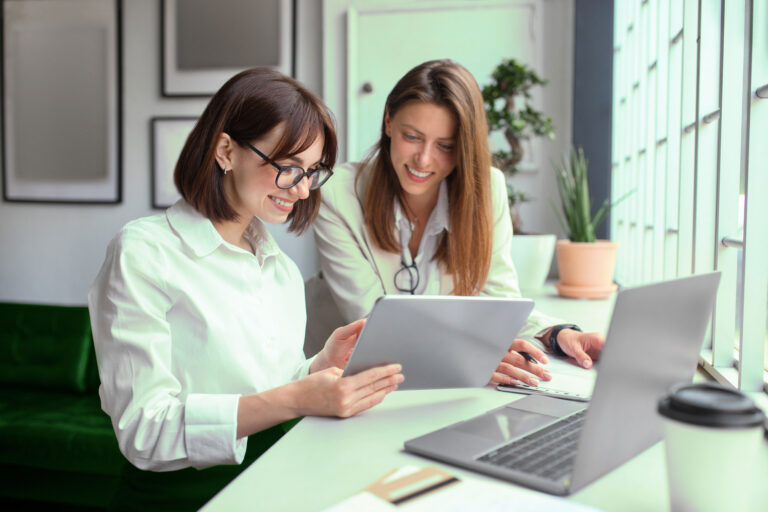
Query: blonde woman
x: 427, y: 214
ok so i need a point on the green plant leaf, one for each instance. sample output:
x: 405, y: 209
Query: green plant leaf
x: 575, y: 215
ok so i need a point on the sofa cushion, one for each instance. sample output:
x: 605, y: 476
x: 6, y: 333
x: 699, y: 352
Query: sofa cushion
x: 57, y: 431
x: 42, y: 489
x: 45, y: 346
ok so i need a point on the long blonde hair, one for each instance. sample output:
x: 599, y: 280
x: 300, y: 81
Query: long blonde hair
x: 465, y: 250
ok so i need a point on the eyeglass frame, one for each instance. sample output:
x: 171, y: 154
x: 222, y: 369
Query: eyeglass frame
x: 411, y: 269
x: 285, y: 168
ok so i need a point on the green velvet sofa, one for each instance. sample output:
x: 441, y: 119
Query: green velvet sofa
x: 56, y: 444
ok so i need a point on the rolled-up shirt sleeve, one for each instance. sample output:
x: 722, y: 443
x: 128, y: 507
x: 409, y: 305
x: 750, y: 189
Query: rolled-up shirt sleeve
x: 157, y: 426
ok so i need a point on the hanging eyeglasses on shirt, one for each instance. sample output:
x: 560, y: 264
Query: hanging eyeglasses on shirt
x: 407, y: 278
x: 419, y: 275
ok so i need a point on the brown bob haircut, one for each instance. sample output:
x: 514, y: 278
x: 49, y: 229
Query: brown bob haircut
x: 247, y: 107
x: 465, y: 250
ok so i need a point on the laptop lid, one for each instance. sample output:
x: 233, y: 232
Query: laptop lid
x: 441, y: 341
x: 653, y: 341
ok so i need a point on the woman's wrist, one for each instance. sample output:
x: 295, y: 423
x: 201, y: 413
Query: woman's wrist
x: 318, y: 363
x: 552, y: 338
x: 266, y: 409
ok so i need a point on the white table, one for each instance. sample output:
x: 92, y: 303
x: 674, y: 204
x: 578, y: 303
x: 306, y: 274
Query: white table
x: 322, y: 461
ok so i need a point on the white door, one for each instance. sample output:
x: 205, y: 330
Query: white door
x: 384, y: 43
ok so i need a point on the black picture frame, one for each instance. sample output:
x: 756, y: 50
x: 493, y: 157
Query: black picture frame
x: 167, y: 137
x: 61, y: 80
x: 204, y: 44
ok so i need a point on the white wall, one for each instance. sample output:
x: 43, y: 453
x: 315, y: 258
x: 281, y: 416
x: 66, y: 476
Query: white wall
x: 51, y: 253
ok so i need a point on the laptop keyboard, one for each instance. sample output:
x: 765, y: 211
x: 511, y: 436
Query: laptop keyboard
x: 548, y: 452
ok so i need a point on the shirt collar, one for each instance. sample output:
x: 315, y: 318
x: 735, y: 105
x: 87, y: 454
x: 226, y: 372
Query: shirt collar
x: 199, y: 233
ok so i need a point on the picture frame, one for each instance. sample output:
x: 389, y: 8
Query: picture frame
x: 203, y: 44
x: 61, y: 101
x: 168, y: 135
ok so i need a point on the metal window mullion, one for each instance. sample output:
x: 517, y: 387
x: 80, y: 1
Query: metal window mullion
x: 674, y: 162
x: 755, y: 242
x: 733, y: 158
x: 690, y: 101
x: 708, y: 135
x: 755, y: 267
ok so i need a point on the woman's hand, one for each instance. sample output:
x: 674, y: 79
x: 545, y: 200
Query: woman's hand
x: 323, y: 393
x: 514, y: 367
x: 338, y: 348
x: 583, y: 347
x: 326, y: 393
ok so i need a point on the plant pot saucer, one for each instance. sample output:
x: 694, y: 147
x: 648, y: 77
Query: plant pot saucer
x: 585, y: 292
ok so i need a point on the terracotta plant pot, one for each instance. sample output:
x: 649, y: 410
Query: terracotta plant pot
x: 586, y: 269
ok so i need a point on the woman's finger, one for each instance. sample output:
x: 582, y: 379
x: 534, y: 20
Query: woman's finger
x: 517, y: 360
x: 516, y: 373
x: 370, y: 400
x: 369, y: 381
x: 524, y: 346
x: 346, y: 331
x: 373, y: 374
x: 374, y: 386
x: 500, y: 378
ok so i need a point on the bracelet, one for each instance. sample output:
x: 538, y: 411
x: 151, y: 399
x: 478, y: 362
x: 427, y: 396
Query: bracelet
x: 553, y: 338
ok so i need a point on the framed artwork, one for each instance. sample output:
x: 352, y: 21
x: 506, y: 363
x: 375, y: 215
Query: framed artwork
x: 61, y: 108
x: 204, y: 44
x: 168, y: 137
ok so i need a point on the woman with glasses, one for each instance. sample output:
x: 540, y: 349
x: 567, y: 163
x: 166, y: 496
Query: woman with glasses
x: 427, y: 214
x: 198, y: 316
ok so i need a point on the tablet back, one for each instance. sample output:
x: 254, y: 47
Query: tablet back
x: 441, y: 341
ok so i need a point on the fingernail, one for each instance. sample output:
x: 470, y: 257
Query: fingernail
x: 586, y: 363
x: 533, y: 382
x: 395, y: 367
x: 400, y: 378
x: 545, y: 359
x: 547, y: 375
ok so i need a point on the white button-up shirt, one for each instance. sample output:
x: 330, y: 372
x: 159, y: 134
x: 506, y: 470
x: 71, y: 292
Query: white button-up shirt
x: 184, y: 323
x: 426, y: 264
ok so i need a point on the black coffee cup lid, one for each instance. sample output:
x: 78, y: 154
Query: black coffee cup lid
x: 711, y: 405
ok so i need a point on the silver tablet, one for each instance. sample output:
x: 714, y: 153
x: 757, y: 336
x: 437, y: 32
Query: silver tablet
x: 441, y: 341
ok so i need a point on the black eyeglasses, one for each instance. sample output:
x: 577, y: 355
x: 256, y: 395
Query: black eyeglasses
x: 289, y: 176
x: 409, y: 274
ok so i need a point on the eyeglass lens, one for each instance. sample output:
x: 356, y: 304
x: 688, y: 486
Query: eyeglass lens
x: 290, y: 176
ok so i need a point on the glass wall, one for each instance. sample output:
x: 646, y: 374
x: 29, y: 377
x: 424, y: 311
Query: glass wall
x: 690, y: 139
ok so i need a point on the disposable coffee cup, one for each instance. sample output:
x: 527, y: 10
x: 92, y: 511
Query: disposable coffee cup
x: 714, y: 443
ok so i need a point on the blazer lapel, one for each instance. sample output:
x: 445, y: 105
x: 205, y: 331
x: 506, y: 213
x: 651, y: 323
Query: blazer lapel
x: 385, y: 263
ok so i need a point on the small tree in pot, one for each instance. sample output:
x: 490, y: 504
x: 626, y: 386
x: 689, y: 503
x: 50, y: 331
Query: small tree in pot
x: 508, y: 109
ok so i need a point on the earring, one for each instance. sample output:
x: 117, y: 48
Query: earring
x: 226, y: 171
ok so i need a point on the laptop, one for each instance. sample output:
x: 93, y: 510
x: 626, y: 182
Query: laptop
x: 441, y: 341
x: 560, y: 446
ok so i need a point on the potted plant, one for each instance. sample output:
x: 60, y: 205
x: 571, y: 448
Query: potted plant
x: 508, y: 110
x: 585, y: 264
